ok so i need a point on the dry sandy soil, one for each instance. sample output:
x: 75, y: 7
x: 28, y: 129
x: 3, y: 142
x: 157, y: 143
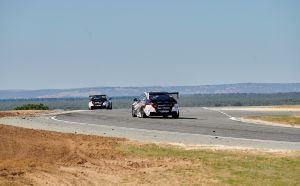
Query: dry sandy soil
x: 36, y: 157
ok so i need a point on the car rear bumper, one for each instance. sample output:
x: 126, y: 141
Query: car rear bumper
x: 150, y: 111
x: 162, y: 113
x: 99, y: 107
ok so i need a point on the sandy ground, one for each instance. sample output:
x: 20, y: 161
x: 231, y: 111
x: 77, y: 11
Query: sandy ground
x: 37, y: 157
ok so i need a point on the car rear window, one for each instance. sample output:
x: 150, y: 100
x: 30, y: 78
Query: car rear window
x: 161, y: 97
x: 97, y: 98
x: 100, y: 97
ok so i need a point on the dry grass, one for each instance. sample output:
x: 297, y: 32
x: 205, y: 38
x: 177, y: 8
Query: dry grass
x: 283, y: 119
x: 228, y: 167
x: 284, y: 106
x: 12, y: 113
x: 279, y: 107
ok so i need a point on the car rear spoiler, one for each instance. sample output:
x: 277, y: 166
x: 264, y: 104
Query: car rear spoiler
x: 174, y: 93
x: 169, y: 93
x: 97, y: 95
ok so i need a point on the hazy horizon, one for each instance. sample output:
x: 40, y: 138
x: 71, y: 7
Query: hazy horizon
x: 77, y: 44
x: 141, y: 86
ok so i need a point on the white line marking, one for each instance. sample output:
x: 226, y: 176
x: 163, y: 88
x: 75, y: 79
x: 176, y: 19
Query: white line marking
x: 229, y: 116
x: 249, y: 122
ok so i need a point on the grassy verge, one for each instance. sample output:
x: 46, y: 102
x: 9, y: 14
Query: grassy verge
x: 285, y: 119
x: 284, y: 106
x: 223, y: 167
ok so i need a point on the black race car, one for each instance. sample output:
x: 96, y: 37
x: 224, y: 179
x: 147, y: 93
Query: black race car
x: 156, y: 104
x: 99, y: 102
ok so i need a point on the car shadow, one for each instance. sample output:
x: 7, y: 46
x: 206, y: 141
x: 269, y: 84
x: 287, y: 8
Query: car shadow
x: 183, y: 118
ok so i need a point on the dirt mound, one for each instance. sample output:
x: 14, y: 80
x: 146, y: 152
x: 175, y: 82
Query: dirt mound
x: 37, y: 157
x: 24, y: 152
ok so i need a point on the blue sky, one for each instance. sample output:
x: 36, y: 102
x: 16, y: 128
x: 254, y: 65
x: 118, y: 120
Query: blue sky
x: 68, y: 44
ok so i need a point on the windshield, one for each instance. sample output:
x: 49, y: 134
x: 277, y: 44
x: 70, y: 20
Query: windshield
x: 98, y: 97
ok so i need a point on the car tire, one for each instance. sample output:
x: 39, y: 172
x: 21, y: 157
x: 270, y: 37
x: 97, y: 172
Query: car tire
x: 92, y: 108
x: 132, y: 112
x: 143, y: 115
x: 165, y: 115
x: 175, y: 115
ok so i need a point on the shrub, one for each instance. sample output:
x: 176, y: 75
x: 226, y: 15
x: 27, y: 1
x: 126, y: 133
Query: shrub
x: 218, y: 105
x: 32, y: 107
x: 237, y: 104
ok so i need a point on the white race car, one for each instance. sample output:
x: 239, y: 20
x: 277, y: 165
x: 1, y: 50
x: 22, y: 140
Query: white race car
x: 156, y: 104
x: 99, y: 102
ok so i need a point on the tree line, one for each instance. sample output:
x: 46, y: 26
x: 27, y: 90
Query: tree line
x: 198, y: 100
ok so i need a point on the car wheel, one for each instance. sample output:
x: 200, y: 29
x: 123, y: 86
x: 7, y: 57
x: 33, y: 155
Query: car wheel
x: 132, y: 112
x: 144, y: 115
x: 175, y: 115
x: 92, y: 108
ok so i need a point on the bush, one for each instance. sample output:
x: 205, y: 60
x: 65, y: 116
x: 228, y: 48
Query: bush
x: 32, y: 107
x: 218, y: 105
x: 237, y: 104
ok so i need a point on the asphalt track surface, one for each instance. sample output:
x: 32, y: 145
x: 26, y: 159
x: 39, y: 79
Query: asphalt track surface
x: 191, y: 121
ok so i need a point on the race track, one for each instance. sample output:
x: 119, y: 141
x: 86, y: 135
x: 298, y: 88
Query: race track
x: 191, y: 121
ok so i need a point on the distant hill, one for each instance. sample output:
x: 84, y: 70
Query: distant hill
x: 135, y: 91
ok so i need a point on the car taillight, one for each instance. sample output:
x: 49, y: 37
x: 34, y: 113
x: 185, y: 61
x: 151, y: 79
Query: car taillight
x: 155, y: 105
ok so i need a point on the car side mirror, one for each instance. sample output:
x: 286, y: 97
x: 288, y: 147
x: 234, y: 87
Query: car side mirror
x: 135, y: 99
x: 109, y: 99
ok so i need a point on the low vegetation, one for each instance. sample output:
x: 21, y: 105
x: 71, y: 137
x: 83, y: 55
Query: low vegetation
x: 32, y: 107
x: 235, y: 167
x: 285, y: 119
